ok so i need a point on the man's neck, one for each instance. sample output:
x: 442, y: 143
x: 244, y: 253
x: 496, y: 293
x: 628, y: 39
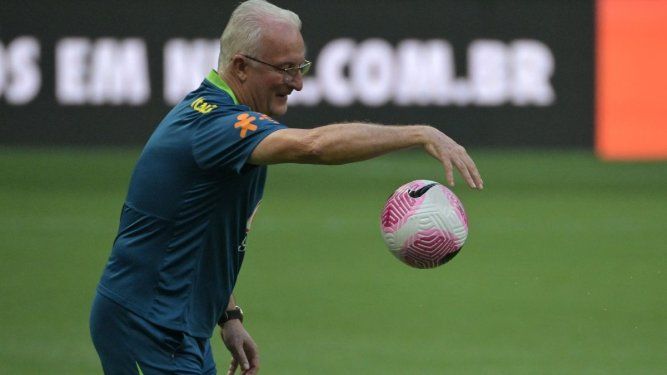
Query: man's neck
x: 233, y: 84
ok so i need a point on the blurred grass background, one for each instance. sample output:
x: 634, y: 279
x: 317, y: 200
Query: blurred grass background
x: 563, y: 271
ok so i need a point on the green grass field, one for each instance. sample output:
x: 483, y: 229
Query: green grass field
x: 563, y: 273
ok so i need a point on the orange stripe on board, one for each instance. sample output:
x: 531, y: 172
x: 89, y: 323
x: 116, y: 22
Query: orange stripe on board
x: 631, y: 99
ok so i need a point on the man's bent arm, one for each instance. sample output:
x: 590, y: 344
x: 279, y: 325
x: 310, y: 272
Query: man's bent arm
x: 239, y: 343
x: 350, y: 142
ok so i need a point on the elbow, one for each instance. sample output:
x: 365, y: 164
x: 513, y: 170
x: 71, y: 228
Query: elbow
x: 316, y: 151
x: 315, y: 154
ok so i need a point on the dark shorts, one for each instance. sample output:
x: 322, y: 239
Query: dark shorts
x: 129, y: 344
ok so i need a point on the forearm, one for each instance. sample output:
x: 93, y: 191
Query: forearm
x: 232, y: 303
x: 350, y: 142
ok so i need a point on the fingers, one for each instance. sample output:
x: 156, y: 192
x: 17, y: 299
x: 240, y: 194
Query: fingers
x: 247, y: 357
x: 253, y: 358
x: 473, y: 177
x: 463, y: 169
x: 468, y: 170
x: 453, y: 155
x: 458, y: 156
x: 240, y: 358
x: 477, y: 178
x: 232, y: 367
x: 449, y: 171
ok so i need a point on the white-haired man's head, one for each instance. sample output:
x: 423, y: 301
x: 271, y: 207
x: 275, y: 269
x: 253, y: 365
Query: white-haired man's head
x: 262, y: 55
x: 246, y: 26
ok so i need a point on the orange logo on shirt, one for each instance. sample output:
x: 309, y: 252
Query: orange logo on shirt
x: 267, y: 118
x: 245, y: 123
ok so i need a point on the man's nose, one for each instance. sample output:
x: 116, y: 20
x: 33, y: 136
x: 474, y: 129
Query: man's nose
x: 296, y: 81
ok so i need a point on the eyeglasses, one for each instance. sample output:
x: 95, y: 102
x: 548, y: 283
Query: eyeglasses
x: 291, y: 71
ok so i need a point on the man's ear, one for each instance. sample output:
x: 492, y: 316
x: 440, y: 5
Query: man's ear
x: 240, y: 68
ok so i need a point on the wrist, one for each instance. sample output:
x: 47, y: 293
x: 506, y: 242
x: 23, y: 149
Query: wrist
x: 231, y: 314
x: 423, y: 134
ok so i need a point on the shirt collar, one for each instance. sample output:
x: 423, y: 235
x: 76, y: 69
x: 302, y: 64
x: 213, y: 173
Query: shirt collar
x: 215, y: 79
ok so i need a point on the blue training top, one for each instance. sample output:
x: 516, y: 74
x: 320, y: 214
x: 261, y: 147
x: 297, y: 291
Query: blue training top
x: 183, y: 226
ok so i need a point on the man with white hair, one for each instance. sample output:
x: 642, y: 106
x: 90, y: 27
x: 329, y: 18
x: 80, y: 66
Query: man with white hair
x: 196, y: 187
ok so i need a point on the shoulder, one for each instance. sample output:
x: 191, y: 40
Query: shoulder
x: 243, y: 116
x: 235, y: 123
x: 255, y: 117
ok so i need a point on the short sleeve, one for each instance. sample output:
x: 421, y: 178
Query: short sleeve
x: 226, y: 142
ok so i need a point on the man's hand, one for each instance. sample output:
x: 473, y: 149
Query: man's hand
x: 243, y: 348
x: 451, y: 155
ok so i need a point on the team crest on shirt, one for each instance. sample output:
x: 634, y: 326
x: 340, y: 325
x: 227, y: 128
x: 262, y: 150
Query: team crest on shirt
x: 245, y: 124
x: 201, y: 106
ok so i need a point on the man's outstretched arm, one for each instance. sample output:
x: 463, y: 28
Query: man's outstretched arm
x: 350, y: 142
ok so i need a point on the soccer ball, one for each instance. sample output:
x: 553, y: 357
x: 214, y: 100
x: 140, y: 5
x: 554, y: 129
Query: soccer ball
x: 424, y: 224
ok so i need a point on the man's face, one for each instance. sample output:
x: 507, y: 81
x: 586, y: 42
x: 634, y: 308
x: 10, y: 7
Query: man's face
x: 267, y: 86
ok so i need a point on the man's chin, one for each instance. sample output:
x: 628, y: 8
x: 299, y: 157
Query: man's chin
x: 278, y: 110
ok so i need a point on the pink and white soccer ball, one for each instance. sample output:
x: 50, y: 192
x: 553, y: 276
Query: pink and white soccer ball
x: 424, y: 224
